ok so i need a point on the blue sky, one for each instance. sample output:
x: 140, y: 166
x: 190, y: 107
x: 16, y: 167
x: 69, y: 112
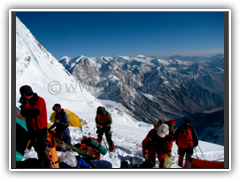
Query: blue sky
x: 96, y: 34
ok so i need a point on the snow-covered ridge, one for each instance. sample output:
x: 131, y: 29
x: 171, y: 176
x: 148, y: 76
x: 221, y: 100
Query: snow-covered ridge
x: 32, y: 58
x: 36, y: 67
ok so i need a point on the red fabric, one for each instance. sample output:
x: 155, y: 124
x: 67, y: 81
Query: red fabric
x: 198, y: 163
x: 185, y: 139
x: 102, y: 119
x: 88, y: 149
x: 50, y: 140
x: 41, y: 118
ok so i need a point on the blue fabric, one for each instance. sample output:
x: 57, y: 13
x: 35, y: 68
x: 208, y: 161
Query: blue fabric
x: 19, y: 156
x: 81, y: 164
x: 22, y: 123
x: 58, y: 127
x: 66, y: 136
x: 63, y: 133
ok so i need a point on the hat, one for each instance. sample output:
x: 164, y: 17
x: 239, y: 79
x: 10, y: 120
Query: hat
x: 163, y: 130
x: 187, y: 121
x: 26, y: 90
x: 160, y: 121
x: 56, y: 106
x: 171, y: 122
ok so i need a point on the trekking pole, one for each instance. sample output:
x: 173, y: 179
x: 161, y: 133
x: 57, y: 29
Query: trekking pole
x: 201, y: 152
x: 81, y: 131
x: 105, y: 143
x: 196, y: 152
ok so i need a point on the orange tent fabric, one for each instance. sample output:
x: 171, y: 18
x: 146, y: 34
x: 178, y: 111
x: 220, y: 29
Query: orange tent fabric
x: 199, y: 163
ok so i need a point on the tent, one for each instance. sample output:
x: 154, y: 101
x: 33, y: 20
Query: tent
x: 22, y: 138
x: 73, y: 118
x: 199, y: 163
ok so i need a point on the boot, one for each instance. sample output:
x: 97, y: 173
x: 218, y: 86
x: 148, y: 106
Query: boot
x: 180, y: 160
x: 111, y: 147
x: 161, y: 164
x: 188, y: 163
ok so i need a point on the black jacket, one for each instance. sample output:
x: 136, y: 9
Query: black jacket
x: 64, y: 116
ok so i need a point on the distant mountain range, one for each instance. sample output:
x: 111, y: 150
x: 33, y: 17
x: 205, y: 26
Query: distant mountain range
x: 149, y: 88
x: 196, y: 58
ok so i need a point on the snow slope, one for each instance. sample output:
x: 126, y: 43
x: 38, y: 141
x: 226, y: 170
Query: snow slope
x: 127, y: 137
x: 42, y: 69
x: 39, y: 69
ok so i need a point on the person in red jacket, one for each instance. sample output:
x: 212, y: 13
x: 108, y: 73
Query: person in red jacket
x: 157, y: 142
x: 33, y: 108
x: 186, y: 139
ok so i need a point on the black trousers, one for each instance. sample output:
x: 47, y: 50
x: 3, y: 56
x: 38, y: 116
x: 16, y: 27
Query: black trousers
x: 39, y: 142
x: 187, y: 151
x: 107, y: 132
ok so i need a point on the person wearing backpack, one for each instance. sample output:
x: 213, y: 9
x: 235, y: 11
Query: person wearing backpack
x: 103, y: 123
x: 61, y: 123
x: 186, y: 139
x: 157, y: 142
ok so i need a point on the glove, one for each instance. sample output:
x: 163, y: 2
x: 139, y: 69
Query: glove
x: 23, y: 100
x: 146, y: 156
x: 169, y: 154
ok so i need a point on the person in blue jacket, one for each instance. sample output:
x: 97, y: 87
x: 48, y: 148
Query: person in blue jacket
x: 61, y: 123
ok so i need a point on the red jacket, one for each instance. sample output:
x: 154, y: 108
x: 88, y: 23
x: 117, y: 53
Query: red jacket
x: 34, y: 110
x: 104, y: 120
x: 152, y: 140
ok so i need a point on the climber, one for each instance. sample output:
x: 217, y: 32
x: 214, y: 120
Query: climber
x: 170, y: 124
x: 104, y: 120
x: 186, y: 139
x: 157, y: 142
x: 33, y: 108
x: 61, y: 123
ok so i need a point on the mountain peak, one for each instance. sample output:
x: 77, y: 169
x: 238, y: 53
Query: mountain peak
x: 65, y: 58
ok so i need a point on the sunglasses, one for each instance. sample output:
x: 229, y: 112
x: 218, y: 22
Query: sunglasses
x: 55, y: 108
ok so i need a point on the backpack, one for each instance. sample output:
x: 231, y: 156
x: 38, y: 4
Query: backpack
x: 102, y: 110
x: 185, y: 139
x: 110, y: 118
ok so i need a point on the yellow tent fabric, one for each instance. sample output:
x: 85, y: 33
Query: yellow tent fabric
x: 73, y: 118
